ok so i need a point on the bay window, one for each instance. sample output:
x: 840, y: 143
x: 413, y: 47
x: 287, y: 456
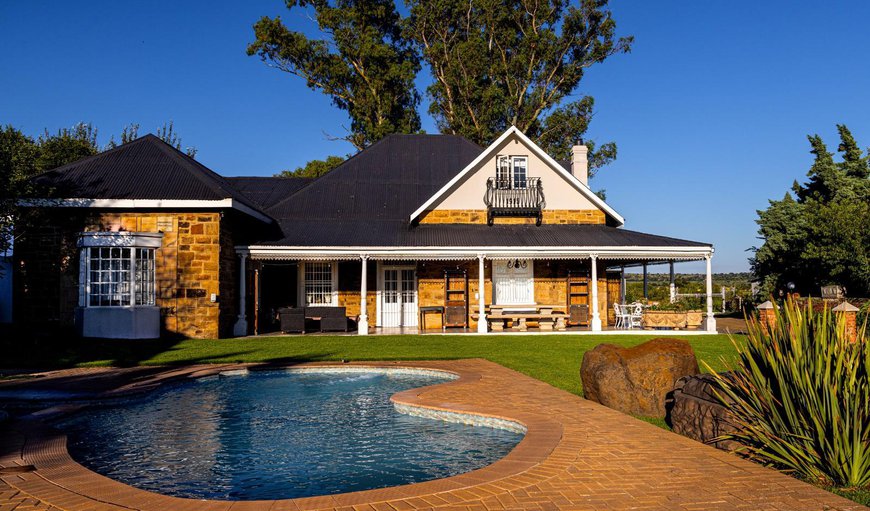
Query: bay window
x: 117, y: 269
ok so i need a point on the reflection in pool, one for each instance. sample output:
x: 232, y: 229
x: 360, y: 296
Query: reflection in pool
x: 278, y: 435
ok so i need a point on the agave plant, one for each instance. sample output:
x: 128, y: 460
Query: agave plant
x: 800, y: 396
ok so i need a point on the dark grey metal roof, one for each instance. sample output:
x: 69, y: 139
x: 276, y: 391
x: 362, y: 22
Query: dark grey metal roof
x: 388, y: 233
x: 387, y: 181
x: 267, y: 191
x: 146, y: 168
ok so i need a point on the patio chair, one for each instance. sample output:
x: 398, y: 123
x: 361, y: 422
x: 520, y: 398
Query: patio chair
x: 332, y: 319
x: 292, y: 319
x: 636, y: 315
x: 622, y: 316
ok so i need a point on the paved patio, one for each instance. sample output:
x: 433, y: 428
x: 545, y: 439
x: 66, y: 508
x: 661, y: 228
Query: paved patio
x: 576, y: 455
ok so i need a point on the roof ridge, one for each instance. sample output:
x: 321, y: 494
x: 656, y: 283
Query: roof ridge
x: 72, y: 164
x: 211, y: 179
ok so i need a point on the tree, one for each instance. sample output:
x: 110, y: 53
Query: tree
x: 821, y: 235
x: 364, y: 65
x: 501, y: 63
x: 314, y: 168
x: 18, y: 157
x: 165, y: 133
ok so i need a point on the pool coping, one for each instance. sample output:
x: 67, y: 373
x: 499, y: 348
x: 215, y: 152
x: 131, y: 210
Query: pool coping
x: 566, y: 460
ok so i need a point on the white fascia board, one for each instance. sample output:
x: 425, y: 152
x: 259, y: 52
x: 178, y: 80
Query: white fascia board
x: 144, y: 204
x: 474, y: 252
x: 513, y: 130
x: 121, y: 239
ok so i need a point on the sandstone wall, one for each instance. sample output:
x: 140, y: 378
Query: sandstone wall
x: 478, y: 216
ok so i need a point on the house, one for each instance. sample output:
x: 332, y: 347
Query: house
x: 142, y: 241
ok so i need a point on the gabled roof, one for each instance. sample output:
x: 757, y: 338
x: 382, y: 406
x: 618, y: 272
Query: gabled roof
x: 489, y: 151
x: 268, y: 191
x: 384, y: 182
x: 144, y: 171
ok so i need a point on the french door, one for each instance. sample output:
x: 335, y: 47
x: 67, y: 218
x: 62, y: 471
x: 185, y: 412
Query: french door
x: 398, y: 297
x: 514, y: 282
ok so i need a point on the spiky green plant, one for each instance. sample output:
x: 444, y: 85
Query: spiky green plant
x: 800, y: 396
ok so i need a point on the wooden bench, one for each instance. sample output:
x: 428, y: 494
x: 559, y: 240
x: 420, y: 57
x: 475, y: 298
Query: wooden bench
x: 546, y: 321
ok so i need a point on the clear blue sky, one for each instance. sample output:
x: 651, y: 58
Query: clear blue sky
x: 710, y: 111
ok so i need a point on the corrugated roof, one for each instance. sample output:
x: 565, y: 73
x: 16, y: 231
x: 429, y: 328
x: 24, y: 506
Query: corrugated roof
x: 387, y: 181
x: 146, y: 168
x: 392, y: 233
x: 267, y: 191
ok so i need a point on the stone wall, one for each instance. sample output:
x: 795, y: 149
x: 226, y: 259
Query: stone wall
x: 478, y: 216
x: 195, y: 261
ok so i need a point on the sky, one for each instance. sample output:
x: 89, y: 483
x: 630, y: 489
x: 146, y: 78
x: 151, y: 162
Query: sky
x: 710, y: 111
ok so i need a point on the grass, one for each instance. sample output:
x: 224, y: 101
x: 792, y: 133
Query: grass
x: 554, y: 359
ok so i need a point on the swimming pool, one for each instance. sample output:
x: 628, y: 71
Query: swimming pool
x: 279, y: 435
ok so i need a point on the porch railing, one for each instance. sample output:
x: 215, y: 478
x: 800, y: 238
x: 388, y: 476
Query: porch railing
x: 505, y: 200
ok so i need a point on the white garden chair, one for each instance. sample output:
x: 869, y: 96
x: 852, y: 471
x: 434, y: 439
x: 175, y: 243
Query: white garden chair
x: 623, y: 317
x: 635, y: 316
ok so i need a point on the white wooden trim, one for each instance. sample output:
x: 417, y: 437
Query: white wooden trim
x: 513, y: 130
x: 470, y: 253
x: 144, y: 204
x: 380, y: 296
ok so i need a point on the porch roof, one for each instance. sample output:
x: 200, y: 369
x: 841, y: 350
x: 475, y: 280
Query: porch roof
x: 388, y: 239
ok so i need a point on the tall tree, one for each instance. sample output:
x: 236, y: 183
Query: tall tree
x: 498, y: 63
x: 165, y: 133
x: 823, y: 237
x: 363, y: 64
x: 314, y: 168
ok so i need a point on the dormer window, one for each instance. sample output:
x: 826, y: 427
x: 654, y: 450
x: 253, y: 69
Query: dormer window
x: 511, y: 172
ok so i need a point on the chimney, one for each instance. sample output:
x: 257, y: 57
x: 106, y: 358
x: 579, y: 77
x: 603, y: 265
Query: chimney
x: 580, y: 163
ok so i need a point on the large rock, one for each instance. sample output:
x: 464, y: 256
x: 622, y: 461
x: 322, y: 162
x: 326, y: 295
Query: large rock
x: 697, y: 412
x: 636, y: 380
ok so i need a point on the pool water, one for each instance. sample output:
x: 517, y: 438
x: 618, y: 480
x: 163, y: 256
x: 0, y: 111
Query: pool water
x: 278, y: 435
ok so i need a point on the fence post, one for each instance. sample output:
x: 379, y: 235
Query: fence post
x: 767, y: 314
x: 849, y: 313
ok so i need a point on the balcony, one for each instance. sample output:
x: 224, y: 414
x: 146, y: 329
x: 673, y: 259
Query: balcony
x: 507, y: 199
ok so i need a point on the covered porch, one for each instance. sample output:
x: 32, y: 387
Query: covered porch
x: 446, y: 290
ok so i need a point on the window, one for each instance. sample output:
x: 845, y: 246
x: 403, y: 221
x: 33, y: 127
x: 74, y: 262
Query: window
x: 511, y: 172
x: 519, y: 163
x: 319, y: 280
x: 117, y: 269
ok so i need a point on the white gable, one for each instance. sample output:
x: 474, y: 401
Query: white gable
x: 562, y: 190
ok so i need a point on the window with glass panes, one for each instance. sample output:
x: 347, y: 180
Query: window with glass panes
x: 318, y: 283
x: 118, y: 276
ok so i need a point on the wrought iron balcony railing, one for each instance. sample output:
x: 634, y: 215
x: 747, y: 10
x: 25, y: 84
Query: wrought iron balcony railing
x: 508, y: 199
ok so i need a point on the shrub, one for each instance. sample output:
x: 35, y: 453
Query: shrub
x: 800, y: 397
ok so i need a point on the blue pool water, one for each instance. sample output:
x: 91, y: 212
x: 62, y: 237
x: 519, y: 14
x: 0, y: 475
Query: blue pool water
x: 278, y: 435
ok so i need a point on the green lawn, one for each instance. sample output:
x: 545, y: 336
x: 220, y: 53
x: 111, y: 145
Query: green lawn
x: 554, y: 359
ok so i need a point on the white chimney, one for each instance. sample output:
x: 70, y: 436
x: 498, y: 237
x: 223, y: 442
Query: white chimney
x: 580, y: 163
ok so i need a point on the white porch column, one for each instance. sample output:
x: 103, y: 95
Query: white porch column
x: 710, y: 324
x: 622, y: 284
x: 481, y: 302
x: 241, y: 327
x: 645, y: 283
x: 596, y: 318
x: 672, y: 290
x: 363, y: 324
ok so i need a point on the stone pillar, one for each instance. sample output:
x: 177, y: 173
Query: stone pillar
x: 645, y: 283
x: 596, y: 317
x: 672, y: 289
x: 241, y: 327
x: 767, y: 314
x: 849, y: 315
x: 481, y: 291
x: 710, y: 320
x: 363, y: 323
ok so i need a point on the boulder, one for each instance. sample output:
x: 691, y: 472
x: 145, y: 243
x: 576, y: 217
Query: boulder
x: 636, y: 380
x: 695, y: 411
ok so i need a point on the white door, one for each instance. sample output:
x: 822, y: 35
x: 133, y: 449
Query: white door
x: 514, y: 282
x: 399, y: 297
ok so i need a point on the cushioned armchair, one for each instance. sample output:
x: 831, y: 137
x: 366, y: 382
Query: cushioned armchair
x: 332, y: 319
x: 292, y: 319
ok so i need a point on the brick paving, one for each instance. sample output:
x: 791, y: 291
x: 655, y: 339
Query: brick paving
x: 577, y: 455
